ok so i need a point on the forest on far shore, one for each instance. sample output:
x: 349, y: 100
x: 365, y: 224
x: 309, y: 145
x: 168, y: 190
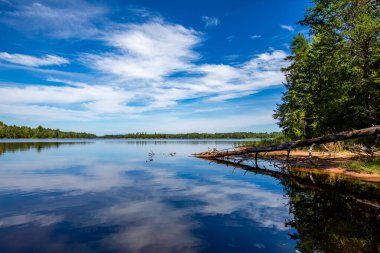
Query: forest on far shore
x: 235, y: 135
x: 14, y: 132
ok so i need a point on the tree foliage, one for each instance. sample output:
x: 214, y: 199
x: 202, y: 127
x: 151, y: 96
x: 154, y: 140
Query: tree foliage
x: 236, y: 135
x: 333, y: 80
x: 13, y: 132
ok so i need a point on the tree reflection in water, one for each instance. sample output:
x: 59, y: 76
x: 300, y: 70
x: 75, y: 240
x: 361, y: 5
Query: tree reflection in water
x: 11, y: 147
x: 330, y: 221
x: 330, y: 213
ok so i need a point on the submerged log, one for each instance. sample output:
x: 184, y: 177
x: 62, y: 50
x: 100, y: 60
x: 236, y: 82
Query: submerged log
x: 256, y: 169
x: 375, y: 130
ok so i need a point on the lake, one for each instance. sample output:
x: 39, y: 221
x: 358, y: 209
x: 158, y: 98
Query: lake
x: 152, y: 196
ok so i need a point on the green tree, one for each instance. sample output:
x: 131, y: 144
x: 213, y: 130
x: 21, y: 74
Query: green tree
x: 39, y: 132
x: 333, y: 80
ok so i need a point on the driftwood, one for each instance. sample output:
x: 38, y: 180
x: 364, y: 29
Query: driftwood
x: 375, y: 130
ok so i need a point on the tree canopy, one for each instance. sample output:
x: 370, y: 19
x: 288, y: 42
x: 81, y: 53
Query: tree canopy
x: 236, y: 135
x: 333, y: 80
x: 13, y: 132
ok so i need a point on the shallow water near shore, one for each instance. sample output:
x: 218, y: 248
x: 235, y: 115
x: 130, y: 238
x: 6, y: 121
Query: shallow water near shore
x: 152, y: 196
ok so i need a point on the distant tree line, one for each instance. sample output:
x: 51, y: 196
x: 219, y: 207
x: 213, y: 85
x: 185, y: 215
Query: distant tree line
x: 13, y: 132
x: 333, y: 80
x: 236, y: 135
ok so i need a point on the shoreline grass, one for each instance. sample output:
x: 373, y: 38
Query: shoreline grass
x: 363, y: 166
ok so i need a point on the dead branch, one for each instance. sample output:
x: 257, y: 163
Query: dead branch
x: 375, y: 130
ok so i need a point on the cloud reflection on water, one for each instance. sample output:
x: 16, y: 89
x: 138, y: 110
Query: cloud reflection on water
x: 140, y: 200
x: 41, y: 220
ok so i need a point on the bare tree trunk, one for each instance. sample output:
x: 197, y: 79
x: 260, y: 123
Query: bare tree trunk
x: 310, y: 153
x: 375, y: 130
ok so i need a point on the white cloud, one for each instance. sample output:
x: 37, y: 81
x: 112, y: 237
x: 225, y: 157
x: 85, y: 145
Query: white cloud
x: 225, y: 82
x: 143, y: 67
x: 147, y: 51
x: 230, y: 38
x: 287, y: 27
x: 225, y: 123
x: 208, y: 82
x: 269, y: 61
x: 210, y: 21
x: 32, y: 61
x: 255, y: 36
x: 231, y: 57
x: 68, y: 20
x: 90, y: 100
x: 44, y: 112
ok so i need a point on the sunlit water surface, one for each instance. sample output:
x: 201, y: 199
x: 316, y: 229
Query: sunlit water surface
x: 152, y: 196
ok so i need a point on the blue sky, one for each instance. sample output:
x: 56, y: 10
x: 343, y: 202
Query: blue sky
x: 145, y: 66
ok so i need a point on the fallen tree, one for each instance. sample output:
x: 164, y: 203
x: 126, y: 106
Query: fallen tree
x: 375, y: 131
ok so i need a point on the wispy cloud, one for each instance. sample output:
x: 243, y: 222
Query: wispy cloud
x: 210, y: 21
x: 32, y: 61
x: 287, y: 27
x: 255, y: 36
x: 147, y: 51
x: 150, y: 66
x: 55, y: 19
x: 230, y: 38
x: 231, y: 57
x: 211, y: 83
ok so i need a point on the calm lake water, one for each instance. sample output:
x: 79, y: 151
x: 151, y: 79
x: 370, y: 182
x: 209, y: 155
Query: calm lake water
x: 151, y: 196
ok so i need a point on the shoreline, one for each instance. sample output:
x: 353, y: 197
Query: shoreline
x: 323, y: 163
